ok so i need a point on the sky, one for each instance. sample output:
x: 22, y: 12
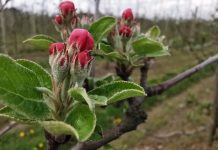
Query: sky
x: 143, y: 8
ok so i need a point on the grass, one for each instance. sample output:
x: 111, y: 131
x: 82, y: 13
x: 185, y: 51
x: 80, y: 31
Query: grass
x: 23, y: 138
x: 188, y: 110
x: 180, y: 87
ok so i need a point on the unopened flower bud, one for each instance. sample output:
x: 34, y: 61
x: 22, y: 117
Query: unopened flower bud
x: 60, y: 67
x: 67, y: 8
x: 138, y: 27
x: 80, y: 67
x: 127, y: 14
x: 81, y: 39
x: 75, y: 21
x: 85, y: 22
x: 58, y: 20
x: 84, y: 58
x: 125, y: 31
x: 56, y: 47
x: 55, y: 50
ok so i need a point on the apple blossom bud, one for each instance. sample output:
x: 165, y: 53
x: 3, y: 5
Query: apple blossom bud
x: 60, y: 67
x: 67, y: 8
x: 80, y: 67
x: 75, y: 20
x: 55, y: 50
x: 136, y: 28
x: 81, y: 39
x: 56, y: 47
x: 58, y: 20
x: 84, y: 58
x: 125, y: 31
x: 127, y: 14
x: 85, y: 22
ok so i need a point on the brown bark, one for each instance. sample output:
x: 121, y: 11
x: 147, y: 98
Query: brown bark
x: 160, y: 88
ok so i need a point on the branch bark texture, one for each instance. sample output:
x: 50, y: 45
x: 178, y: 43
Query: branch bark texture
x: 160, y: 88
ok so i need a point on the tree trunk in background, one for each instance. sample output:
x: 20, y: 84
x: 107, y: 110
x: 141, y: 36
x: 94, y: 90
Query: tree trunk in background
x: 3, y: 31
x: 33, y: 23
x: 43, y: 20
x: 14, y: 33
x: 97, y: 12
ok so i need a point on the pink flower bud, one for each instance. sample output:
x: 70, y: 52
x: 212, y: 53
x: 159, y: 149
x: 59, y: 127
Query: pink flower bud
x: 85, y: 21
x: 63, y: 61
x: 66, y: 8
x: 127, y: 14
x: 75, y: 20
x: 84, y: 58
x: 81, y: 39
x: 125, y: 31
x: 136, y: 27
x: 58, y: 20
x: 56, y: 47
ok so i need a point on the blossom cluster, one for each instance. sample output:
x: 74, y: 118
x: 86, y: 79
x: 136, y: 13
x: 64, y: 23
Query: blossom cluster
x: 127, y: 24
x: 68, y: 17
x: 71, y: 58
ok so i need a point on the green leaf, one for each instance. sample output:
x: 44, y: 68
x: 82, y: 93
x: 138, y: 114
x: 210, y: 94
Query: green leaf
x: 105, y: 79
x: 145, y: 46
x: 95, y: 82
x: 43, y: 76
x: 159, y: 53
x: 45, y: 37
x: 17, y: 79
x: 79, y: 94
x: 40, y: 42
x: 59, y: 128
x: 118, y: 90
x: 115, y: 56
x: 17, y: 89
x: 48, y: 97
x: 83, y: 120
x: 154, y: 32
x: 32, y: 110
x: 99, y: 100
x: 102, y: 27
x: 105, y: 47
x: 111, y: 55
x: 97, y: 135
x: 9, y: 113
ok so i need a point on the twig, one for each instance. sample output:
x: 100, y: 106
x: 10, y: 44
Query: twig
x: 160, y: 88
x: 3, y: 5
x: 7, y: 128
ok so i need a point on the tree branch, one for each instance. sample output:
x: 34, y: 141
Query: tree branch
x: 135, y: 115
x: 2, y: 5
x: 7, y: 128
x: 160, y: 88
